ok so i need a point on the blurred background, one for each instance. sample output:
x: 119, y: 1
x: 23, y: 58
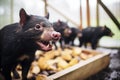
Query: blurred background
x: 78, y: 13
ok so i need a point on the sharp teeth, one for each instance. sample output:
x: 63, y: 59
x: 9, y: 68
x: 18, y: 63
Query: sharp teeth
x: 48, y: 45
x: 50, y: 42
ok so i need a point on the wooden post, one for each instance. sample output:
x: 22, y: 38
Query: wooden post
x: 11, y: 11
x: 109, y: 13
x: 88, y: 13
x: 97, y: 14
x: 45, y: 9
x: 80, y: 15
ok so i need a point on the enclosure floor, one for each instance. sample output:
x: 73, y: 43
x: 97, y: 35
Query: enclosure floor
x: 112, y: 72
x: 109, y: 43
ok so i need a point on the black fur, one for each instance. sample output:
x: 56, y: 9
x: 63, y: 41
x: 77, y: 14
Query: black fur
x: 64, y: 29
x: 93, y: 35
x: 18, y: 40
x: 75, y: 33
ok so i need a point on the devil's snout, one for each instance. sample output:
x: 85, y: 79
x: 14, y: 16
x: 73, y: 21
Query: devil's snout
x: 56, y: 35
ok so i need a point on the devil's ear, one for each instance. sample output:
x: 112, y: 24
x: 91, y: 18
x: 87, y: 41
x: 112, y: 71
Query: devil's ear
x: 58, y: 22
x: 105, y: 26
x: 47, y: 16
x: 23, y: 16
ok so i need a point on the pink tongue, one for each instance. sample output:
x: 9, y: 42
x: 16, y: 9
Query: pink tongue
x: 44, y: 47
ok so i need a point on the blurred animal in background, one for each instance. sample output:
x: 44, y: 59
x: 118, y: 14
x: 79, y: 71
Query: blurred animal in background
x: 93, y: 35
x: 64, y: 29
x: 19, y: 41
x: 75, y: 33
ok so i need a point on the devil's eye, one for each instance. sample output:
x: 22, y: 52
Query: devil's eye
x: 38, y: 27
x: 42, y: 24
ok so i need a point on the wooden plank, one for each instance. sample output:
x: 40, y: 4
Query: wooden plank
x: 88, y: 13
x: 11, y: 10
x: 97, y: 14
x: 81, y: 15
x: 45, y: 7
x: 109, y: 14
x: 83, y: 69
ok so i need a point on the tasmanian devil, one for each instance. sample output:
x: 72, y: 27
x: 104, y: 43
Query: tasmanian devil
x: 75, y: 33
x: 19, y: 41
x: 93, y: 35
x: 64, y: 29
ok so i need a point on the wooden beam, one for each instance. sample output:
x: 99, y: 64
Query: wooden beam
x: 109, y: 14
x: 80, y: 15
x: 45, y: 8
x: 63, y: 15
x: 97, y: 14
x: 88, y: 13
x: 11, y: 11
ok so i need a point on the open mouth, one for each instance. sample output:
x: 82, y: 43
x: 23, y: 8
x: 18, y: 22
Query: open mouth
x: 45, y: 45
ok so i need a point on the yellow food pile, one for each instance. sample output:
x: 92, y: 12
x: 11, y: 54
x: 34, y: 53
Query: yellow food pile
x: 56, y: 60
